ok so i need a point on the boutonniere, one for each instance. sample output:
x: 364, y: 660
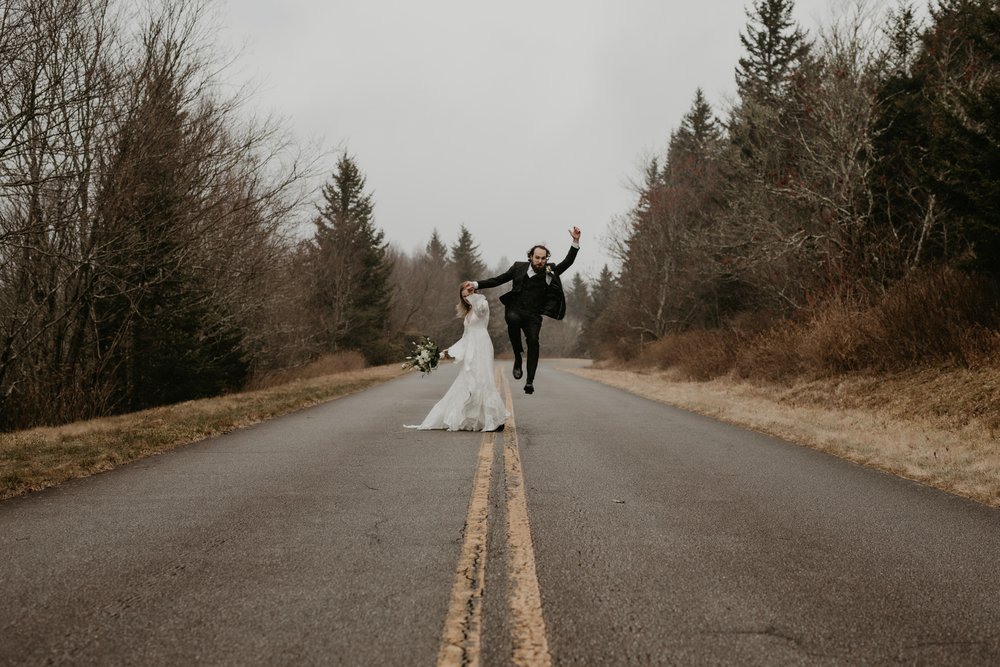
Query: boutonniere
x: 548, y: 270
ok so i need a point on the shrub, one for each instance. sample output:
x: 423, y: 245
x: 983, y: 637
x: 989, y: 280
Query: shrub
x: 940, y: 317
x: 774, y: 354
x: 700, y: 354
x: 928, y: 318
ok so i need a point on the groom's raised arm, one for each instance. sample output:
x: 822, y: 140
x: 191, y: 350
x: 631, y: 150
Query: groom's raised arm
x: 571, y: 255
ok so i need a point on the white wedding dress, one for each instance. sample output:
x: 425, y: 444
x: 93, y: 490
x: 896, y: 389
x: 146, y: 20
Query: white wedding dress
x: 473, y: 402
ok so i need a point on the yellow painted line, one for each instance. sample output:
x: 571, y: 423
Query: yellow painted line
x: 462, y: 636
x: 461, y: 639
x: 531, y: 646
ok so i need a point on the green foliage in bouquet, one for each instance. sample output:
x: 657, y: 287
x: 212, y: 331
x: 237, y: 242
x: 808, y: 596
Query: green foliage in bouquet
x: 425, y: 356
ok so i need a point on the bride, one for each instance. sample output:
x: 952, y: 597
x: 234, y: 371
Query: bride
x: 473, y: 402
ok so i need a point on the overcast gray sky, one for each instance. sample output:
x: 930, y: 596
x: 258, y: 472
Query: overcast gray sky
x: 518, y: 119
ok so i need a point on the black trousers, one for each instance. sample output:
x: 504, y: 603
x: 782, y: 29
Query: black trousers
x: 531, y: 324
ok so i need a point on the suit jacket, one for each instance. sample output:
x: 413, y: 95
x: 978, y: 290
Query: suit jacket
x: 554, y: 304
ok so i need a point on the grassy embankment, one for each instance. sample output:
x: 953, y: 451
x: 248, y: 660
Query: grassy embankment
x: 909, y: 384
x: 34, y: 459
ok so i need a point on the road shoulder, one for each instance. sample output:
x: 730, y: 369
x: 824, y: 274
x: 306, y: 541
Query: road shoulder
x: 958, y: 455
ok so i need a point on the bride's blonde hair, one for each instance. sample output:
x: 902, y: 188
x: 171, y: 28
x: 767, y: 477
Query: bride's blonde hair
x: 463, y: 307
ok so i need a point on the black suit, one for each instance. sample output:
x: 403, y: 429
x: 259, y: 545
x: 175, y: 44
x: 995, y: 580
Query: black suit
x: 529, y: 299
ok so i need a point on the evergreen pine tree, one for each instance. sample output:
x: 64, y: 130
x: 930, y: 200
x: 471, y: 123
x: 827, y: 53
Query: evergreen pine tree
x: 904, y: 38
x: 600, y: 293
x: 465, y: 257
x: 161, y: 338
x: 775, y: 48
x: 352, y: 267
x: 694, y: 148
x: 938, y: 141
x: 437, y: 251
x: 577, y: 305
x: 766, y: 158
x: 577, y: 297
x: 438, y: 311
x: 670, y: 256
x: 602, y: 290
x: 698, y: 135
x: 777, y: 55
x: 966, y: 136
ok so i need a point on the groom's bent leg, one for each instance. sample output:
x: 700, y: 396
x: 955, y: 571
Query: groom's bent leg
x: 513, y: 319
x: 514, y: 324
x: 532, y: 328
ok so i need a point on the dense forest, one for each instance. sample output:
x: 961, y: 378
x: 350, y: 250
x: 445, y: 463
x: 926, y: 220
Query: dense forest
x: 842, y: 217
x: 842, y: 214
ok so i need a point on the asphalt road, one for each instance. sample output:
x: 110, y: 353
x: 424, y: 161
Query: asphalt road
x: 336, y: 536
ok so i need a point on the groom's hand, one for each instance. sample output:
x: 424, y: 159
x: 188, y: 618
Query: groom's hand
x: 467, y: 284
x: 575, y: 233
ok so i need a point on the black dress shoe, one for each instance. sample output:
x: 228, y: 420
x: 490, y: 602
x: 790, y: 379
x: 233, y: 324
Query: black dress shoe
x: 517, y: 369
x: 529, y: 388
x: 498, y: 428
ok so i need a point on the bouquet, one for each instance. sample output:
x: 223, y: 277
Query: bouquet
x: 425, y: 356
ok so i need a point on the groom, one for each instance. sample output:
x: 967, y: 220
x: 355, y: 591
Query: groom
x: 536, y: 290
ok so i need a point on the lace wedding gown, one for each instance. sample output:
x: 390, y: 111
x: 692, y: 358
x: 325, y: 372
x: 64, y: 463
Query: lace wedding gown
x: 473, y: 402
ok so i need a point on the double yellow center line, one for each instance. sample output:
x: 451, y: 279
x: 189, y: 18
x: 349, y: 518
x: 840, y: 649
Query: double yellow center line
x: 461, y: 639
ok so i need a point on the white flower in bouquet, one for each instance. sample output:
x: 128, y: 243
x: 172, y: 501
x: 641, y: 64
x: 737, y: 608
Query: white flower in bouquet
x: 425, y: 356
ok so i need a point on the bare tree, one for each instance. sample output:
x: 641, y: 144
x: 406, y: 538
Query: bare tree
x: 835, y: 136
x: 136, y: 202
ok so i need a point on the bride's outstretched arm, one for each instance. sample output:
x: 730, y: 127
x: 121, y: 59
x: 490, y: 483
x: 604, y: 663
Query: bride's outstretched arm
x: 457, y: 350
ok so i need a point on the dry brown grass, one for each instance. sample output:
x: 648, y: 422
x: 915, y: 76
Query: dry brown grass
x: 338, y: 362
x: 38, y: 458
x: 936, y: 426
